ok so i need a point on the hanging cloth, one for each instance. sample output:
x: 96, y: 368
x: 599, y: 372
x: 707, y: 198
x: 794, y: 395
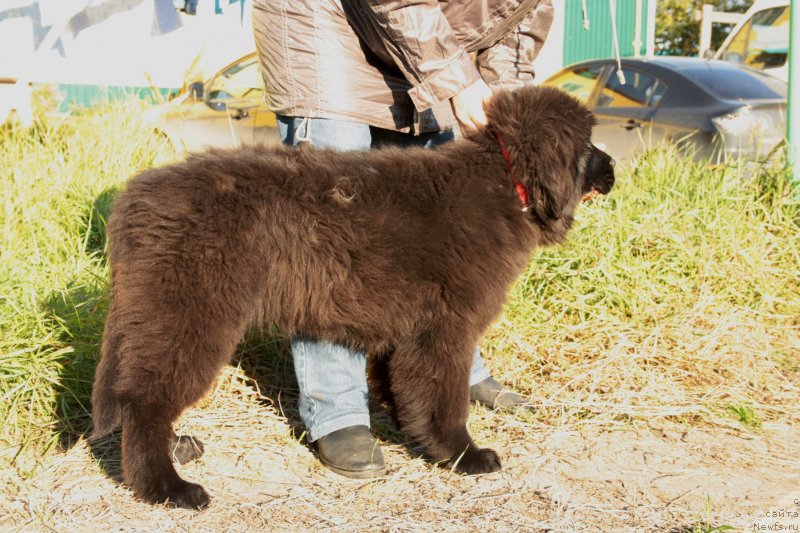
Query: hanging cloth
x: 218, y: 8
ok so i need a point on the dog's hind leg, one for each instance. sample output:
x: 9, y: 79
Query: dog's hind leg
x: 171, y: 366
x: 106, y: 409
x: 146, y: 459
x: 429, y: 379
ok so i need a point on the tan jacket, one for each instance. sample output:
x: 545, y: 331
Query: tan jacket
x: 392, y: 64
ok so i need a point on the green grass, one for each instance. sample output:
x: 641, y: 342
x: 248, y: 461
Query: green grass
x: 745, y: 415
x: 677, y: 296
x: 703, y: 525
x: 56, y: 184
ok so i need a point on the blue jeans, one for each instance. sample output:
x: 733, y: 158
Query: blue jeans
x: 332, y: 378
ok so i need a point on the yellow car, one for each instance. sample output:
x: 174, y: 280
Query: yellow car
x: 226, y: 110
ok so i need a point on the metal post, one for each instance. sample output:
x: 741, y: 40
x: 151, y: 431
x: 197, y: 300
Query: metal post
x: 705, y: 28
x: 707, y: 17
x: 637, y: 30
x: 650, y: 47
x: 793, y: 122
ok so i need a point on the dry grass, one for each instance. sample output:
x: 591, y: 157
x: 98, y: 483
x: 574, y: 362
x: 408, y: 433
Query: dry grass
x: 660, y: 348
x: 583, y: 476
x: 677, y: 297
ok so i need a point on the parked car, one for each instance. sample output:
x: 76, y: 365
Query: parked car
x: 761, y: 39
x: 711, y: 108
x: 723, y: 109
x: 225, y: 110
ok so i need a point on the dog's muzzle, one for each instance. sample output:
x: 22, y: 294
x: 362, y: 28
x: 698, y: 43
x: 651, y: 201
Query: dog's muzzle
x: 599, y: 173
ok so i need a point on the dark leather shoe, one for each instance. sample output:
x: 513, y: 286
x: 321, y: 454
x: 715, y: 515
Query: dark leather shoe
x: 493, y: 395
x: 352, y: 452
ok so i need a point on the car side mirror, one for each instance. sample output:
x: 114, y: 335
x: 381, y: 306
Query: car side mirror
x: 196, y: 90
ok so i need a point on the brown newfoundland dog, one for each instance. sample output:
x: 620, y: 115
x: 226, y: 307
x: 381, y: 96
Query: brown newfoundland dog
x: 403, y: 254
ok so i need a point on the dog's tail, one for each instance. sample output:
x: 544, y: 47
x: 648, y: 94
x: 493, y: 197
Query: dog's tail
x: 106, y: 407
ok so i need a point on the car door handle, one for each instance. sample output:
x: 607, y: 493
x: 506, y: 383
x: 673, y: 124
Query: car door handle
x: 239, y: 114
x: 632, y: 125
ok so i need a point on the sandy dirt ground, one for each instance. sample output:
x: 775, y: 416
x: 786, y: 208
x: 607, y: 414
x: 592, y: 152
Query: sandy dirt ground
x: 638, y: 476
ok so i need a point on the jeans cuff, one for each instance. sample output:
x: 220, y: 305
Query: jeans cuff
x: 477, y: 377
x: 329, y: 426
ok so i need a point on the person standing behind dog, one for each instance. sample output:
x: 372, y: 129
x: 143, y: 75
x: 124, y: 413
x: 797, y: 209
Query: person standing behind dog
x: 355, y: 74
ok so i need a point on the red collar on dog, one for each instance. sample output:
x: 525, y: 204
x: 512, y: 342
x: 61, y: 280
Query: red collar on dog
x: 521, y: 192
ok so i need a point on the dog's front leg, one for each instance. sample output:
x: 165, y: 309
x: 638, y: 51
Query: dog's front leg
x: 429, y: 381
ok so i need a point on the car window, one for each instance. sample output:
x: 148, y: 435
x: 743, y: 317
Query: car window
x: 768, y: 42
x: 639, y: 90
x: 733, y: 83
x: 242, y: 80
x: 578, y: 82
x: 763, y: 41
x: 737, y: 47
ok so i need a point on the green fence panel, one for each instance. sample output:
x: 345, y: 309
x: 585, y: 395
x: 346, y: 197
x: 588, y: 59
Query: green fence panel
x: 597, y: 41
x: 76, y: 95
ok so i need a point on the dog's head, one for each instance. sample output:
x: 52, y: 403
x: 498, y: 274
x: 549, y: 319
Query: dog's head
x: 546, y: 134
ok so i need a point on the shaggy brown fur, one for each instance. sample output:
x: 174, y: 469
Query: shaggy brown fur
x: 404, y: 254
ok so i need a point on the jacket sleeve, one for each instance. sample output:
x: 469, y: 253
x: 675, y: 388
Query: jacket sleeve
x: 509, y: 62
x: 422, y: 45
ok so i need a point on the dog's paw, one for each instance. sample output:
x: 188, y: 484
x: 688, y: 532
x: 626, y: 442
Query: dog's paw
x: 187, y: 448
x: 176, y: 493
x: 476, y: 461
x: 189, y: 496
x: 186, y: 495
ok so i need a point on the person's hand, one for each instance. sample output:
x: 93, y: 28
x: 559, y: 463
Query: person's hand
x: 468, y: 106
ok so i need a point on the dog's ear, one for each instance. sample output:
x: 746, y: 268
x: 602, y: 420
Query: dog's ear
x: 552, y: 185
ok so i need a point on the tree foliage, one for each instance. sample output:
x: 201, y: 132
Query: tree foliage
x: 678, y: 25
